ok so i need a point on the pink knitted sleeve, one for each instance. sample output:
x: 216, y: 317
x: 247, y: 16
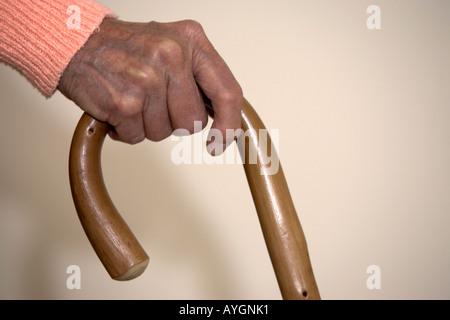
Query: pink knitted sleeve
x: 38, y: 38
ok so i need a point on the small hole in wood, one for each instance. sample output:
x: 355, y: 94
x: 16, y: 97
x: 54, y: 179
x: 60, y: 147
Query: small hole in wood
x: 91, y: 131
x: 305, y: 293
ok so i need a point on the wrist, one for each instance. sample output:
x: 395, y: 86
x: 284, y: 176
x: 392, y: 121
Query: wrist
x: 38, y: 40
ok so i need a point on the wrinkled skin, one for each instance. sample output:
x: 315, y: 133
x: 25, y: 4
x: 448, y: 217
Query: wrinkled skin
x: 147, y: 79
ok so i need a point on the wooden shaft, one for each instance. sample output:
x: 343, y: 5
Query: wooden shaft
x: 122, y: 255
x: 281, y: 227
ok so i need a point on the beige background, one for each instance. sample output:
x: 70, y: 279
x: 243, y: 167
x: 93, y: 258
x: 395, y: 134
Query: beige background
x: 364, y: 126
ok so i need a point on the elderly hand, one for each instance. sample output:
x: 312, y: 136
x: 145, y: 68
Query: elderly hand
x: 147, y: 79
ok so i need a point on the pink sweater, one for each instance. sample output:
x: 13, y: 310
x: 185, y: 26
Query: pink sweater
x: 38, y: 38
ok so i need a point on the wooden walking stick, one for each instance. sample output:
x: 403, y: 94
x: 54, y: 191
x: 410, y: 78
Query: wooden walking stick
x: 121, y: 253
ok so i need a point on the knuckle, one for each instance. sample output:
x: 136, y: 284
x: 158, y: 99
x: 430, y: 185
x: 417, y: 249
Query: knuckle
x: 169, y: 51
x: 193, y: 27
x: 232, y: 96
x: 128, y: 105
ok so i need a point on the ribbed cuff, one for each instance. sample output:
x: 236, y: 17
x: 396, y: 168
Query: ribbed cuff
x: 38, y: 38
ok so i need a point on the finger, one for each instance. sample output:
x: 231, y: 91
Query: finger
x: 219, y: 85
x: 157, y: 123
x: 128, y: 124
x: 129, y: 130
x: 185, y: 104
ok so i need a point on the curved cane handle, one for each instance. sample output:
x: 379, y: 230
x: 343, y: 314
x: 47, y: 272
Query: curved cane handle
x: 122, y: 255
x: 114, y: 243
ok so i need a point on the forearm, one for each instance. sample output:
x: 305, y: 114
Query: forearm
x: 38, y: 37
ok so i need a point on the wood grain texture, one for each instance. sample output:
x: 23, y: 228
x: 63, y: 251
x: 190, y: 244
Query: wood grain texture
x: 122, y: 255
